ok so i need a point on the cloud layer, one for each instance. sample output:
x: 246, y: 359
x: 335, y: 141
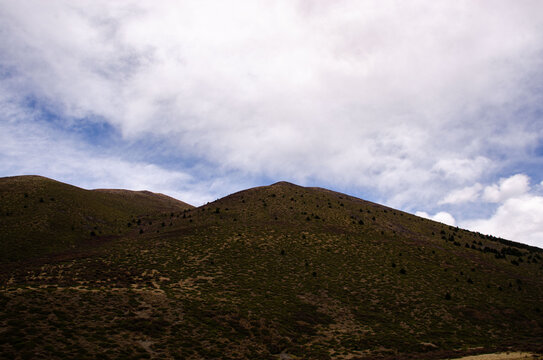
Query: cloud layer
x: 416, y: 105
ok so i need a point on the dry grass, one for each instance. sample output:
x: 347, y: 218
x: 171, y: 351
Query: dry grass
x: 503, y: 356
x: 274, y: 270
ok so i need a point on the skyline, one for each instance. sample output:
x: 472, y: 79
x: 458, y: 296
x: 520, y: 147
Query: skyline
x: 434, y: 109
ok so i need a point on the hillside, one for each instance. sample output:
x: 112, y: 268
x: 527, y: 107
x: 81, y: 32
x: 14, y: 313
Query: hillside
x: 279, y: 271
x: 39, y: 216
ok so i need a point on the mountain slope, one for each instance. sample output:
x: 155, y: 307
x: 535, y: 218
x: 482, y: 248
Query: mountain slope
x: 280, y: 271
x: 39, y: 215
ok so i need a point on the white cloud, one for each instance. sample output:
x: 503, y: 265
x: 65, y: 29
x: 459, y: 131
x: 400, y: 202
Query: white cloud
x: 442, y: 217
x: 513, y: 186
x: 518, y: 219
x: 36, y: 150
x: 466, y: 194
x: 406, y: 99
x: 462, y: 169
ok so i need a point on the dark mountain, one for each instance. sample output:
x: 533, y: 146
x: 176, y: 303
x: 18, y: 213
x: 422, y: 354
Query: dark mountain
x: 40, y: 216
x: 279, y: 271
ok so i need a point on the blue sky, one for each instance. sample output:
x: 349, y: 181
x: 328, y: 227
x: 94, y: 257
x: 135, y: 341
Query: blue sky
x: 435, y: 108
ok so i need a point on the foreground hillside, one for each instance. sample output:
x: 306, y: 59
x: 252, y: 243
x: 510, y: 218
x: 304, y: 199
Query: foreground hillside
x: 279, y: 271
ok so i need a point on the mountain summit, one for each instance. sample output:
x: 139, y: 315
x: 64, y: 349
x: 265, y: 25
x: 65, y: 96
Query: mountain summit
x: 279, y: 271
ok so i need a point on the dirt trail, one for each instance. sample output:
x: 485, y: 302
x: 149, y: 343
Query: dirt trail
x: 502, y: 356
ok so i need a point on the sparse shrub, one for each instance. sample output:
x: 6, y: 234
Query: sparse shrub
x: 141, y: 231
x: 403, y: 271
x: 447, y: 296
x: 92, y: 233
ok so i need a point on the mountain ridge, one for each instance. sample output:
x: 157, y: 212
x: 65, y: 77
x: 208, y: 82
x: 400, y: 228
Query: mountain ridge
x: 42, y: 214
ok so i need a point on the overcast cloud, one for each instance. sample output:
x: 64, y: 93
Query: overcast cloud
x: 420, y: 105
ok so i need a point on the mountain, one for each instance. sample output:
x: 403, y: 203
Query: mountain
x: 41, y: 216
x: 279, y: 271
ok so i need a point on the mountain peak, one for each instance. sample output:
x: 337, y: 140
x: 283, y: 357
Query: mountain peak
x: 285, y: 183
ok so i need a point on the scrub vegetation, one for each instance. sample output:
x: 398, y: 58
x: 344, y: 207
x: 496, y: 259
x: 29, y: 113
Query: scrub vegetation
x: 275, y: 271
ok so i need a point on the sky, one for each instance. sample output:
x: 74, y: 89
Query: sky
x: 431, y: 107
